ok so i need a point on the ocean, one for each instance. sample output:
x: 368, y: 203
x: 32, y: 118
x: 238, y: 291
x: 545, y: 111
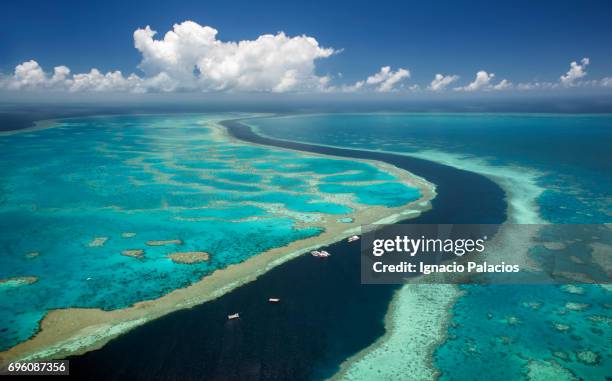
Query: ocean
x: 556, y: 169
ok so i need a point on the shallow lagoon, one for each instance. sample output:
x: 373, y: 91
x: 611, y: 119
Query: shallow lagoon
x: 79, y: 194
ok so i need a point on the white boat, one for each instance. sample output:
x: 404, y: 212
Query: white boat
x: 233, y: 316
x: 353, y: 238
x: 274, y: 300
x: 320, y: 254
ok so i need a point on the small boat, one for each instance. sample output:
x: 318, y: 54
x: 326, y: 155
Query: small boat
x: 320, y: 254
x: 274, y: 300
x: 353, y: 238
x: 233, y: 316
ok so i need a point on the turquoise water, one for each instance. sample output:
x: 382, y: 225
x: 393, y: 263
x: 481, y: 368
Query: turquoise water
x: 392, y: 194
x: 499, y: 340
x: 505, y: 332
x: 127, y: 180
x: 569, y: 154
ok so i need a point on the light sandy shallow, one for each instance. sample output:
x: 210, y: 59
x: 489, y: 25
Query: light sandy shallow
x: 72, y: 331
x: 189, y: 257
x: 415, y: 326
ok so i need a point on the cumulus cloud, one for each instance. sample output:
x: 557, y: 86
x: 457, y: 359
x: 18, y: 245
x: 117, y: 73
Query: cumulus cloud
x: 60, y: 75
x: 27, y: 75
x: 606, y: 82
x: 385, y: 80
x: 483, y: 81
x: 502, y: 85
x: 525, y: 86
x: 570, y: 79
x: 576, y: 71
x: 111, y: 81
x: 30, y: 75
x: 190, y: 57
x: 357, y: 86
x: 441, y: 81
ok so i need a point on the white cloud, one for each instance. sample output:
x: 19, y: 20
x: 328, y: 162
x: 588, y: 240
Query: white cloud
x: 606, y: 82
x: 60, y: 75
x: 381, y: 76
x: 440, y: 82
x: 571, y: 79
x: 575, y: 72
x: 525, y: 86
x: 192, y: 55
x: 383, y: 81
x: 502, y: 85
x: 483, y: 82
x: 386, y: 79
x: 111, y: 81
x: 353, y: 88
x: 28, y: 75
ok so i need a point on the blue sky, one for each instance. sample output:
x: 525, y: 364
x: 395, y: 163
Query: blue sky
x: 523, y: 41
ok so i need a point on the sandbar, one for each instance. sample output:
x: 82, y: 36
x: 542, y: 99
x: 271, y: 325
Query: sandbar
x: 98, y: 242
x: 189, y: 257
x: 166, y: 242
x: 134, y: 253
x: 18, y: 281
